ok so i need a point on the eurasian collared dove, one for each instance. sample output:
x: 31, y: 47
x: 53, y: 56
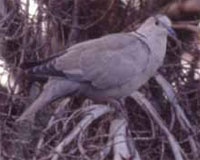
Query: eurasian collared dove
x: 110, y: 67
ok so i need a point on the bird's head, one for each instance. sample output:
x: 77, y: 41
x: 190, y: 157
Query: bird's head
x: 159, y: 23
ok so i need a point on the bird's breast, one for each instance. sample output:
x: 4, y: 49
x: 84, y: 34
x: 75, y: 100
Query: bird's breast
x: 137, y: 80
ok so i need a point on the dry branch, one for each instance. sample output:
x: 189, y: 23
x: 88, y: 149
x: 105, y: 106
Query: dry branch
x: 150, y: 109
x: 93, y: 113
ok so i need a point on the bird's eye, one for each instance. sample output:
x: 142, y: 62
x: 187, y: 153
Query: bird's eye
x: 157, y: 23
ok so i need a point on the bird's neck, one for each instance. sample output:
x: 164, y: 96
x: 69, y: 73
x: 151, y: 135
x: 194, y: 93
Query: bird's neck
x: 155, y: 39
x: 156, y: 42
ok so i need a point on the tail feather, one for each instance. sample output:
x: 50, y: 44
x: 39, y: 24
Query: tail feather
x: 31, y: 64
x: 47, y: 69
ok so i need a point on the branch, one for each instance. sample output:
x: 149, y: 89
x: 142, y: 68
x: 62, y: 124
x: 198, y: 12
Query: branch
x: 148, y: 107
x: 183, y: 120
x: 95, y: 112
x: 187, y: 27
x: 120, y: 141
x: 73, y: 35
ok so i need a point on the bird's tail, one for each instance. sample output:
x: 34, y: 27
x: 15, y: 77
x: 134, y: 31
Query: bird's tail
x: 42, y: 68
x: 31, y: 64
x: 45, y: 70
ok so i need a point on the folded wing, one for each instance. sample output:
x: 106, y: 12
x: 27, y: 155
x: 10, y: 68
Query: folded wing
x: 105, y: 62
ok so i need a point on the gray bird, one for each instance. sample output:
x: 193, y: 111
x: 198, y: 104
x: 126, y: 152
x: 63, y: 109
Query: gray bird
x: 110, y: 67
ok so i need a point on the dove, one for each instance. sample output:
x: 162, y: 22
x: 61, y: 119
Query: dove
x: 106, y: 68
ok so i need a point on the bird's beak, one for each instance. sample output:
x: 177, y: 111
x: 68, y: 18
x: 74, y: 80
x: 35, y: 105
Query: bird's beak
x: 171, y: 32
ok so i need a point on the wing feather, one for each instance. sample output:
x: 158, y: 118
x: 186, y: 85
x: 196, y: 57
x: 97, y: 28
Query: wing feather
x: 105, y: 62
x: 118, y: 58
